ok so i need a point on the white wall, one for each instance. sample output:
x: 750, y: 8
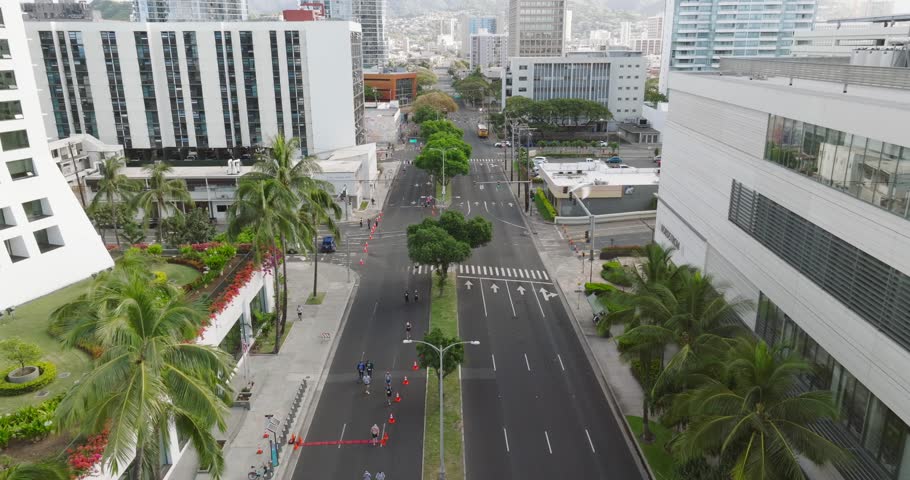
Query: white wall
x: 707, y: 144
x: 330, y: 86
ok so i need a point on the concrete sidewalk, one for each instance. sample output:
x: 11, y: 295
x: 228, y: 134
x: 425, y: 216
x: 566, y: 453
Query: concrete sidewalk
x: 304, y: 358
x: 383, y: 184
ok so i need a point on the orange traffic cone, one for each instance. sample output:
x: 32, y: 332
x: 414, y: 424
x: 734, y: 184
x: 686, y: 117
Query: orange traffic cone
x: 361, y: 261
x: 259, y: 451
x: 405, y: 381
x: 415, y: 367
x: 391, y: 419
x: 385, y: 439
x: 293, y: 439
x: 265, y: 435
x: 364, y: 249
x: 296, y: 447
x: 371, y: 236
x: 397, y: 398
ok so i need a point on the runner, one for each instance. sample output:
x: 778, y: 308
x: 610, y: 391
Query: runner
x: 299, y: 313
x: 374, y: 432
x: 388, y: 378
x: 360, y: 368
x: 407, y: 330
x: 416, y: 297
x: 366, y: 475
x: 388, y: 394
x: 370, y: 368
x: 406, y: 295
x: 380, y: 476
x: 366, y: 383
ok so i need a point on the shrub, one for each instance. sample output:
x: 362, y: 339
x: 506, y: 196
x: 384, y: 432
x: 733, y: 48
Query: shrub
x: 155, y: 249
x: 637, y: 370
x: 160, y: 277
x: 20, y: 352
x: 48, y: 374
x: 547, y: 212
x: 609, y: 253
x: 598, y: 288
x: 29, y: 423
x: 616, y: 274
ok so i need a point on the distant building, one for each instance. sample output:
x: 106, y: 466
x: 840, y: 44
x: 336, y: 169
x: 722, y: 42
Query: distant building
x: 610, y: 190
x: 489, y: 50
x: 471, y: 26
x: 568, y: 27
x: 400, y: 87
x: 59, y: 10
x: 537, y: 29
x: 615, y: 79
x: 190, y: 11
x: 625, y: 34
x: 383, y: 124
x: 654, y: 27
x: 647, y: 46
x: 371, y: 15
x: 305, y: 12
x: 889, y: 35
x: 78, y: 156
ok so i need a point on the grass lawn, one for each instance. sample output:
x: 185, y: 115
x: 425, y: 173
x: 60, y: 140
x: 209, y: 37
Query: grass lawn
x: 363, y: 205
x: 442, y: 200
x: 30, y: 322
x: 178, y: 274
x: 265, y: 344
x: 659, y: 459
x: 444, y: 315
x: 315, y: 299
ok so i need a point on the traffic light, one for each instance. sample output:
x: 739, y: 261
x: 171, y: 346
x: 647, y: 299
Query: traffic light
x: 587, y: 236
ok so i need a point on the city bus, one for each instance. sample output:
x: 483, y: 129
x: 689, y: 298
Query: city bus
x: 482, y: 131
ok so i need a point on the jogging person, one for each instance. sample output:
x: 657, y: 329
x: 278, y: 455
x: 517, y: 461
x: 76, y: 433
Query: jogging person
x: 388, y: 378
x: 299, y: 313
x: 374, y: 432
x: 366, y: 383
x: 406, y: 295
x: 407, y: 330
x: 416, y: 297
x: 360, y: 369
x: 366, y: 475
x: 380, y: 476
x: 370, y: 368
x: 388, y: 394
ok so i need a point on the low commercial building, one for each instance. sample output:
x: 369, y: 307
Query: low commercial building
x: 383, y: 124
x: 78, y: 156
x: 608, y: 190
x: 395, y: 86
x: 615, y: 79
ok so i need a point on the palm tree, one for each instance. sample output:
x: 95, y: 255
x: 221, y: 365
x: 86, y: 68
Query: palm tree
x: 47, y: 470
x: 114, y: 186
x: 149, y: 375
x: 267, y: 208
x: 317, y: 211
x: 278, y: 163
x: 751, y: 421
x: 162, y: 194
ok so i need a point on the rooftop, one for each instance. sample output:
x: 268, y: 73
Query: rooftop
x: 828, y: 72
x: 598, y: 173
x: 218, y: 171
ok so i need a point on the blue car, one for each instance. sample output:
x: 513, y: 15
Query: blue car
x: 328, y: 244
x: 614, y: 160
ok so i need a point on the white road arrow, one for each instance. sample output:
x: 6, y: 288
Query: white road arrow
x: 510, y: 204
x: 494, y: 287
x: 416, y: 184
x: 481, y: 187
x: 545, y: 294
x: 476, y: 203
x: 468, y: 284
x: 521, y: 289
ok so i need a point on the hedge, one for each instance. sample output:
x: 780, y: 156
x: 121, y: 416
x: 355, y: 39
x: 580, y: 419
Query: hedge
x: 598, y: 288
x: 614, y: 273
x: 48, y: 374
x: 30, y: 423
x: 544, y: 206
x: 609, y: 253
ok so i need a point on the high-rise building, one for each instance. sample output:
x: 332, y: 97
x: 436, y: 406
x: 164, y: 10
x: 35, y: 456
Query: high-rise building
x: 189, y: 10
x: 654, y: 27
x: 371, y: 15
x: 647, y: 46
x: 488, y: 50
x: 793, y: 189
x: 340, y: 10
x: 696, y: 35
x: 48, y: 242
x: 468, y: 26
x: 537, y: 29
x: 568, y: 27
x: 615, y: 79
x: 625, y: 34
x: 200, y: 90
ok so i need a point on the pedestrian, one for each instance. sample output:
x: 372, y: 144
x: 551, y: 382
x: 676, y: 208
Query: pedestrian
x: 366, y: 383
x: 407, y: 330
x: 374, y: 432
x: 388, y: 378
x: 416, y: 296
x: 361, y: 223
x: 366, y: 475
x: 370, y: 368
x: 299, y: 313
x: 380, y: 476
x: 388, y: 394
x: 360, y: 368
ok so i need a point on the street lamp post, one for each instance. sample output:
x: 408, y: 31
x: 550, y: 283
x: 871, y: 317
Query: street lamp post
x: 443, y: 150
x: 585, y: 190
x: 441, y: 352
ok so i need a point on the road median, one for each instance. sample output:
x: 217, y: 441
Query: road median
x: 444, y: 316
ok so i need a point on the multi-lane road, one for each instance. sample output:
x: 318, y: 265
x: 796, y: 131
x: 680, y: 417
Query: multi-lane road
x: 533, y: 407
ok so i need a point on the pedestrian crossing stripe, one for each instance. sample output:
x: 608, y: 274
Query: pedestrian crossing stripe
x: 487, y: 271
x: 486, y: 160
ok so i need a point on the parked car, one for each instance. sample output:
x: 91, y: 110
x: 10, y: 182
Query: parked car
x: 603, y: 144
x: 503, y: 144
x: 328, y: 244
x: 615, y: 160
x: 539, y: 160
x: 618, y: 165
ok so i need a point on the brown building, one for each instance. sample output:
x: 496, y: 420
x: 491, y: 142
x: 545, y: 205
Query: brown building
x: 392, y: 86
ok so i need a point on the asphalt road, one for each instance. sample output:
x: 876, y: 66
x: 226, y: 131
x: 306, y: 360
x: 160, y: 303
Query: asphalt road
x: 374, y: 330
x: 533, y: 408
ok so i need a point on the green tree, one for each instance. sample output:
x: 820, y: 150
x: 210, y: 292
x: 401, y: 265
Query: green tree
x: 161, y: 195
x: 447, y: 240
x: 371, y: 93
x: 20, y: 352
x: 194, y: 226
x: 133, y: 232
x: 652, y: 94
x: 438, y: 101
x: 267, y: 209
x: 110, y: 216
x: 429, y: 358
x: 476, y: 232
x: 473, y: 88
x: 425, y: 78
x: 114, y: 186
x: 150, y: 374
x: 457, y: 154
x: 45, y: 470
x: 431, y: 127
x: 752, y: 421
x: 424, y: 113
x: 319, y: 210
x: 614, y: 148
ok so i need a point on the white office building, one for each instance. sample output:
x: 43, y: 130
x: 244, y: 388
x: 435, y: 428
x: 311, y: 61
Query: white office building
x: 189, y: 11
x: 615, y: 79
x: 371, y: 15
x: 489, y: 50
x: 697, y: 34
x: 537, y: 29
x: 793, y: 188
x: 850, y: 37
x: 48, y: 241
x: 200, y: 90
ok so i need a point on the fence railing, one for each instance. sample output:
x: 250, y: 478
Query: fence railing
x: 833, y: 69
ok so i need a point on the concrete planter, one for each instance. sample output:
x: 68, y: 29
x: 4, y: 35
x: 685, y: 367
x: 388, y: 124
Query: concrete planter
x: 23, y: 375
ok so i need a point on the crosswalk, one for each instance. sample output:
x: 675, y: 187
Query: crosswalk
x: 488, y: 271
x: 487, y: 160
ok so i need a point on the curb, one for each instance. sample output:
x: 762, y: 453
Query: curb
x: 302, y: 425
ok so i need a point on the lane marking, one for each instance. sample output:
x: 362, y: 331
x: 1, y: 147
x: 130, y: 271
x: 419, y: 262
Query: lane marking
x: 549, y: 447
x: 528, y: 364
x: 484, y: 298
x: 485, y: 270
x: 560, y: 362
x: 589, y: 441
x: 545, y: 276
x: 342, y: 434
x: 469, y: 208
x: 506, y: 435
x: 559, y: 232
x: 536, y: 296
x: 494, y: 361
x: 508, y: 290
x: 485, y: 206
x: 383, y: 434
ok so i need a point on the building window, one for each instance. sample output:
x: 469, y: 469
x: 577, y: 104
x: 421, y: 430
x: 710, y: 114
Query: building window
x: 82, y: 83
x: 522, y: 67
x: 37, y: 209
x: 6, y: 218
x: 4, y: 48
x: 196, y: 94
x: 522, y: 79
x: 19, y: 169
x: 296, y: 93
x: 15, y: 248
x: 248, y: 63
x: 221, y: 208
x: 10, y: 110
x: 175, y: 88
x: 48, y: 239
x: 57, y: 91
x: 7, y: 80
x: 147, y: 83
x: 13, y: 140
x: 115, y: 85
x: 522, y: 89
x: 276, y: 80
